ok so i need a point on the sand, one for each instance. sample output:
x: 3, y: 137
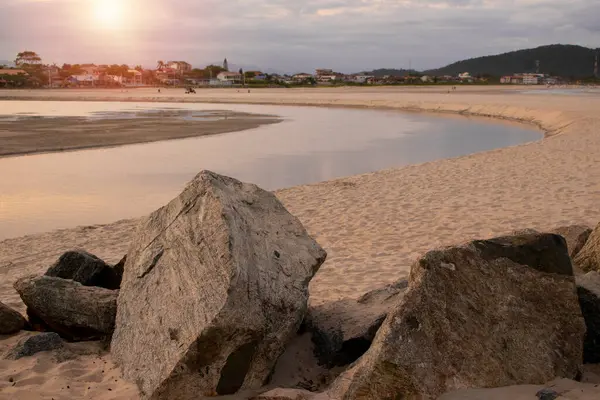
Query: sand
x: 374, y: 225
x: 28, y: 134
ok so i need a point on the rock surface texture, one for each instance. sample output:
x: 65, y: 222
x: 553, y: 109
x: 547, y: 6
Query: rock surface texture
x: 575, y: 235
x: 45, y: 341
x: 343, y: 330
x: 67, y: 307
x: 215, y: 285
x: 588, y: 258
x: 588, y: 290
x: 489, y: 313
x: 86, y: 269
x: 10, y: 320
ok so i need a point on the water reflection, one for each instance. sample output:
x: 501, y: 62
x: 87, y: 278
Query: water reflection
x: 49, y: 191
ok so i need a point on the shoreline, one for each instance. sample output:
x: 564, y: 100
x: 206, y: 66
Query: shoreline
x: 33, y: 135
x: 527, y: 121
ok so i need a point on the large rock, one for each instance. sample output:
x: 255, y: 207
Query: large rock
x: 37, y: 343
x: 67, y: 307
x: 575, y: 235
x: 86, y: 269
x: 486, y: 314
x: 343, y: 330
x: 290, y: 394
x: 10, y: 320
x: 588, y: 290
x: 588, y: 258
x: 215, y: 285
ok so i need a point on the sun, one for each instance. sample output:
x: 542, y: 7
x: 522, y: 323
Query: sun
x: 108, y: 13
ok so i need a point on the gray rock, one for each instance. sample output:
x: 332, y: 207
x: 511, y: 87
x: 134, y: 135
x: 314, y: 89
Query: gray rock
x: 588, y: 258
x: 547, y: 394
x: 490, y: 313
x: 290, y: 394
x: 588, y: 290
x: 10, y: 320
x: 343, y: 330
x: 575, y: 235
x: 67, y: 307
x: 223, y: 270
x: 86, y: 269
x: 29, y: 346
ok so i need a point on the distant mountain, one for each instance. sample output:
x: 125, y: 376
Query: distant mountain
x: 388, y: 71
x: 556, y: 59
x: 7, y: 63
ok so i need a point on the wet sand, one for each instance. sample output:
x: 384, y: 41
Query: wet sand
x: 32, y: 134
x: 373, y: 225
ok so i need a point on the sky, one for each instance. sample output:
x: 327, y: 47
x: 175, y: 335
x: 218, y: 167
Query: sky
x: 291, y: 35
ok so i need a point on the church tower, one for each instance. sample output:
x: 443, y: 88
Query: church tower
x: 226, y: 65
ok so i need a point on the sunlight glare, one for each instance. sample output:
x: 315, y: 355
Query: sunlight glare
x: 108, y: 13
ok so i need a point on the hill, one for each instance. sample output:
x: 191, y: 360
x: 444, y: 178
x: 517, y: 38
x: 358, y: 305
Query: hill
x: 556, y: 59
x: 388, y: 71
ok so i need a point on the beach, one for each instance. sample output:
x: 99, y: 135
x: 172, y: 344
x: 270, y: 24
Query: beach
x: 31, y: 134
x: 373, y: 226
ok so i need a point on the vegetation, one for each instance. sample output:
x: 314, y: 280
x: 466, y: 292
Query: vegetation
x: 27, y: 58
x: 556, y: 60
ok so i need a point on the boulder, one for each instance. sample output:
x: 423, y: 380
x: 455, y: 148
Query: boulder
x: 575, y: 235
x: 119, y: 268
x: 588, y: 258
x: 290, y: 394
x: 488, y: 313
x: 223, y: 271
x: 588, y: 290
x: 67, y: 307
x: 31, y: 345
x: 10, y: 320
x: 86, y: 269
x: 343, y: 330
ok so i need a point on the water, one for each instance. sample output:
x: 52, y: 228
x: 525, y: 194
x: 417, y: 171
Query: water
x: 59, y: 190
x: 590, y: 91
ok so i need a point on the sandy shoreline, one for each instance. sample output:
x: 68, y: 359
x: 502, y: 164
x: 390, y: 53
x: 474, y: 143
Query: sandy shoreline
x: 374, y: 225
x: 33, y: 135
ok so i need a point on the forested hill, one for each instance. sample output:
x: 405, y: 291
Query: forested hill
x: 557, y: 59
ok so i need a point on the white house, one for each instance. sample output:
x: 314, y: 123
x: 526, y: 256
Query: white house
x: 362, y: 78
x: 226, y: 77
x: 426, y: 79
x: 533, y: 79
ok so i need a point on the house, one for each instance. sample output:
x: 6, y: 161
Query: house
x: 465, y: 77
x: 362, y: 78
x: 427, y: 79
x: 83, y: 80
x: 533, y: 79
x: 13, y: 72
x: 136, y: 79
x: 301, y: 77
x: 322, y: 71
x: 512, y: 79
x: 6, y: 72
x: 229, y: 78
x: 180, y: 66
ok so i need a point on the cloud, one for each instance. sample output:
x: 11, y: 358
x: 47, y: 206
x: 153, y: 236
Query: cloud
x: 295, y: 35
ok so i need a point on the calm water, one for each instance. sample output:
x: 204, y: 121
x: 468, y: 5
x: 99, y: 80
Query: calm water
x: 60, y: 190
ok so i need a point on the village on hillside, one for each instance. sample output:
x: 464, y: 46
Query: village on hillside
x: 29, y: 71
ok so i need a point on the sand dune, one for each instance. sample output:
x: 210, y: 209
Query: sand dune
x: 374, y: 225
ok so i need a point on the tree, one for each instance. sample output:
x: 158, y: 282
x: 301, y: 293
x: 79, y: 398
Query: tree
x: 27, y: 57
x: 160, y: 64
x: 213, y: 70
x: 139, y: 68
